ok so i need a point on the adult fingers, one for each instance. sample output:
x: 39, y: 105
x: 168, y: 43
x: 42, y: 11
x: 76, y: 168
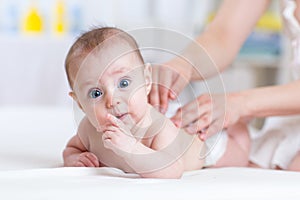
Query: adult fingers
x: 190, y: 113
x: 215, y: 127
x: 177, y: 86
x: 153, y: 96
x: 199, y: 125
x: 165, y: 81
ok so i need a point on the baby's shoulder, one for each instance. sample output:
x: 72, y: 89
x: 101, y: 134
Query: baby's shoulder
x: 160, y: 123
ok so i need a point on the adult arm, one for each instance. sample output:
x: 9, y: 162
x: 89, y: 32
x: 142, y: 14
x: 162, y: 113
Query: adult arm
x: 212, y: 51
x: 215, y: 112
x: 273, y: 100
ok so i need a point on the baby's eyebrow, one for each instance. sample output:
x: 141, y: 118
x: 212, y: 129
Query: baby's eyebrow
x: 86, y: 83
x: 117, y: 70
x: 122, y: 69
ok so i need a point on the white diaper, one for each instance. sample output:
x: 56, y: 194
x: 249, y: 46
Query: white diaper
x: 215, y: 148
x: 215, y: 145
x: 277, y: 143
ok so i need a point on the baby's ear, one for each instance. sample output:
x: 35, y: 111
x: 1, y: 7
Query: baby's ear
x: 74, y: 97
x: 148, y: 77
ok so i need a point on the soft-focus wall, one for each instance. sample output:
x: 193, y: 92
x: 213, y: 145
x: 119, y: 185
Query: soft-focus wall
x: 35, y: 36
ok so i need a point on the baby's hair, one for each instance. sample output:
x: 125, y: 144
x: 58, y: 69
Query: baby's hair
x: 89, y: 41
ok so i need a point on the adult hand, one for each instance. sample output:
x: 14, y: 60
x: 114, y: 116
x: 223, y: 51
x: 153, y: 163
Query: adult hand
x: 168, y: 80
x: 209, y: 114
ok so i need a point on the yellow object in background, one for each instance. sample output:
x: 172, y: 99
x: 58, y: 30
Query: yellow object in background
x: 59, y: 17
x: 269, y: 21
x: 33, y: 21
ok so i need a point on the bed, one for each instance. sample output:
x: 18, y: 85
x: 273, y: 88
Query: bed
x: 32, y: 139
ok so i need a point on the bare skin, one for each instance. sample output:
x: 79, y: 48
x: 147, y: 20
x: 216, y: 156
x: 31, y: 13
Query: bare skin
x: 120, y: 129
x: 114, y: 100
x: 222, y: 40
x: 118, y: 149
x: 112, y: 153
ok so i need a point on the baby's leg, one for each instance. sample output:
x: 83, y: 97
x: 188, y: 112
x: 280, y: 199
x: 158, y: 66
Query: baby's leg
x: 238, y: 147
x: 295, y: 164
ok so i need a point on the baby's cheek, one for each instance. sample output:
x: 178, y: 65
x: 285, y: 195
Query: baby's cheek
x: 100, y: 116
x: 96, y: 116
x: 138, y: 102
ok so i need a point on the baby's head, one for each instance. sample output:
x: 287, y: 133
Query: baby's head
x: 99, y: 38
x: 107, y: 74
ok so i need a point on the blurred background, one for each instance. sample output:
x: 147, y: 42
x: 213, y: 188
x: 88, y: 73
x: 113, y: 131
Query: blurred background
x: 35, y: 36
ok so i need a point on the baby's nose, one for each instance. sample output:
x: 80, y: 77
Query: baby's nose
x: 112, y: 100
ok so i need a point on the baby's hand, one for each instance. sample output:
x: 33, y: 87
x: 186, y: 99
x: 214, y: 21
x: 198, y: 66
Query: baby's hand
x: 87, y: 159
x: 118, y: 137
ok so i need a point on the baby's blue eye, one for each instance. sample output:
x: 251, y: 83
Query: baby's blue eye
x: 95, y: 93
x: 124, y: 83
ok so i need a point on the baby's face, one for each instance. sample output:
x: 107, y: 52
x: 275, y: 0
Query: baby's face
x: 118, y: 85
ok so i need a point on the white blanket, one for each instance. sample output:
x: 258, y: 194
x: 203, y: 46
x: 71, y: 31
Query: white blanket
x: 110, y: 183
x: 31, y: 142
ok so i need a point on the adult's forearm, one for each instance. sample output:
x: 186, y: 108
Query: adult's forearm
x: 273, y: 100
x: 208, y: 55
x: 218, y: 45
x: 211, y: 54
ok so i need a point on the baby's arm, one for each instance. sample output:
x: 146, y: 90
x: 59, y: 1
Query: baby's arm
x: 156, y: 162
x: 76, y: 155
x: 167, y: 160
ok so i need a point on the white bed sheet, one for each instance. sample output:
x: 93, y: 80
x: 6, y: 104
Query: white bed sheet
x: 31, y: 142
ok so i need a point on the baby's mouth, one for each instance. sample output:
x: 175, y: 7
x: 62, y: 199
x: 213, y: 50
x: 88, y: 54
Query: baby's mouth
x: 121, y: 116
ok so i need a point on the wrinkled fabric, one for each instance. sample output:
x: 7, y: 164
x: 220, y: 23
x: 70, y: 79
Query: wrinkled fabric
x: 292, y: 30
x: 279, y: 140
x: 277, y: 143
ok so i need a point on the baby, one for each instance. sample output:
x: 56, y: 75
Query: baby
x: 110, y: 83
